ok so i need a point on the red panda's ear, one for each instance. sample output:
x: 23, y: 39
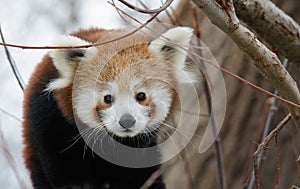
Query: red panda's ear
x: 65, y: 60
x: 173, y: 46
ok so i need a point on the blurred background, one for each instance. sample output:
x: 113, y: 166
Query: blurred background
x: 39, y: 22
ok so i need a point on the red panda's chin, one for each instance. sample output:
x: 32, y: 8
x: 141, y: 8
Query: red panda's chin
x: 125, y: 133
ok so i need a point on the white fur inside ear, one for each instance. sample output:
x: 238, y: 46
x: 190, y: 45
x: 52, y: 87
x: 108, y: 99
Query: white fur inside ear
x: 65, y: 60
x: 178, y: 35
x: 173, y: 46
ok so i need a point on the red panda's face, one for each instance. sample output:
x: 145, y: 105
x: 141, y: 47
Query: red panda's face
x: 133, y: 107
x: 124, y: 88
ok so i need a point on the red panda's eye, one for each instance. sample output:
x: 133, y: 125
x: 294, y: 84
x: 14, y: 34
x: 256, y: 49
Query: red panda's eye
x: 140, y: 96
x: 108, y: 99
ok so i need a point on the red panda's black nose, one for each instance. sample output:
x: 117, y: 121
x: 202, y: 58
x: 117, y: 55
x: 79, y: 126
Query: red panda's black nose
x: 127, y: 121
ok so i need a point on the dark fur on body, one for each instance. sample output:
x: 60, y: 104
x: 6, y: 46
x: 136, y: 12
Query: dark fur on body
x: 48, y: 132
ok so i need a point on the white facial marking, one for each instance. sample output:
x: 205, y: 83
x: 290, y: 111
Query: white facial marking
x: 65, y: 61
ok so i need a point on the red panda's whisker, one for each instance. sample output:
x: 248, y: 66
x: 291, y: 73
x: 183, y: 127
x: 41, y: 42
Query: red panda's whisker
x: 77, y: 138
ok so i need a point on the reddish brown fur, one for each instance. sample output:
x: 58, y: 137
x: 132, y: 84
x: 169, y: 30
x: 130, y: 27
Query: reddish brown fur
x: 102, y: 105
x: 45, y: 67
x: 63, y: 96
x: 118, y: 63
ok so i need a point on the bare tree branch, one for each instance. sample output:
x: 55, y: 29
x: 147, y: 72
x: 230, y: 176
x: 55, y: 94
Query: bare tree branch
x: 298, y: 166
x: 147, y: 11
x: 220, y: 163
x: 156, y: 12
x: 278, y: 161
x: 267, y: 126
x: 265, y: 60
x: 272, y: 134
x: 265, y: 143
x: 10, y: 159
x: 12, y: 63
x: 151, y: 179
x: 272, y: 24
x: 10, y: 115
x: 83, y: 46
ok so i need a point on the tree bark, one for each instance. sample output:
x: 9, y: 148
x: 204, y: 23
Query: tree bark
x: 272, y: 25
x: 242, y: 128
x: 266, y: 61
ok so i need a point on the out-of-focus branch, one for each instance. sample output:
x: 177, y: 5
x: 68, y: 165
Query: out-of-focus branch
x: 12, y: 63
x: 272, y: 24
x: 298, y: 166
x: 10, y: 159
x: 267, y: 127
x: 151, y: 179
x: 10, y: 115
x: 265, y: 60
x: 147, y: 11
x: 84, y: 46
x: 156, y: 12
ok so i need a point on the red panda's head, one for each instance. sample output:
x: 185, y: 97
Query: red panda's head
x: 126, y: 87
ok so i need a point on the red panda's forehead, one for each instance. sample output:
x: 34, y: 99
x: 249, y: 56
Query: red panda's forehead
x: 127, y: 61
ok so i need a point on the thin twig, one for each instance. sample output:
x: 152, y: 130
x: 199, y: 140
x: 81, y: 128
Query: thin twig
x: 267, y: 140
x: 151, y: 179
x: 10, y: 159
x: 256, y: 174
x: 220, y: 163
x: 177, y: 19
x: 208, y: 85
x: 264, y: 144
x: 169, y: 16
x: 121, y: 16
x: 12, y: 63
x: 298, y: 167
x: 10, y: 115
x: 255, y: 177
x: 186, y: 165
x: 196, y: 24
x: 89, y: 45
x: 248, y: 171
x: 146, y: 7
x: 147, y: 11
x: 278, y: 161
x: 267, y: 126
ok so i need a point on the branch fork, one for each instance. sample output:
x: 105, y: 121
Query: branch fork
x: 266, y: 61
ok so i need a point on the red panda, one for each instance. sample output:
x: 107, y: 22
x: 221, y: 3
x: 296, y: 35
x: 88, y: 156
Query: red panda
x: 122, y: 90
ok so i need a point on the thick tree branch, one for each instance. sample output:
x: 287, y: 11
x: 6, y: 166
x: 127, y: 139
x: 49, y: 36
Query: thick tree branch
x: 272, y: 24
x: 265, y: 60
